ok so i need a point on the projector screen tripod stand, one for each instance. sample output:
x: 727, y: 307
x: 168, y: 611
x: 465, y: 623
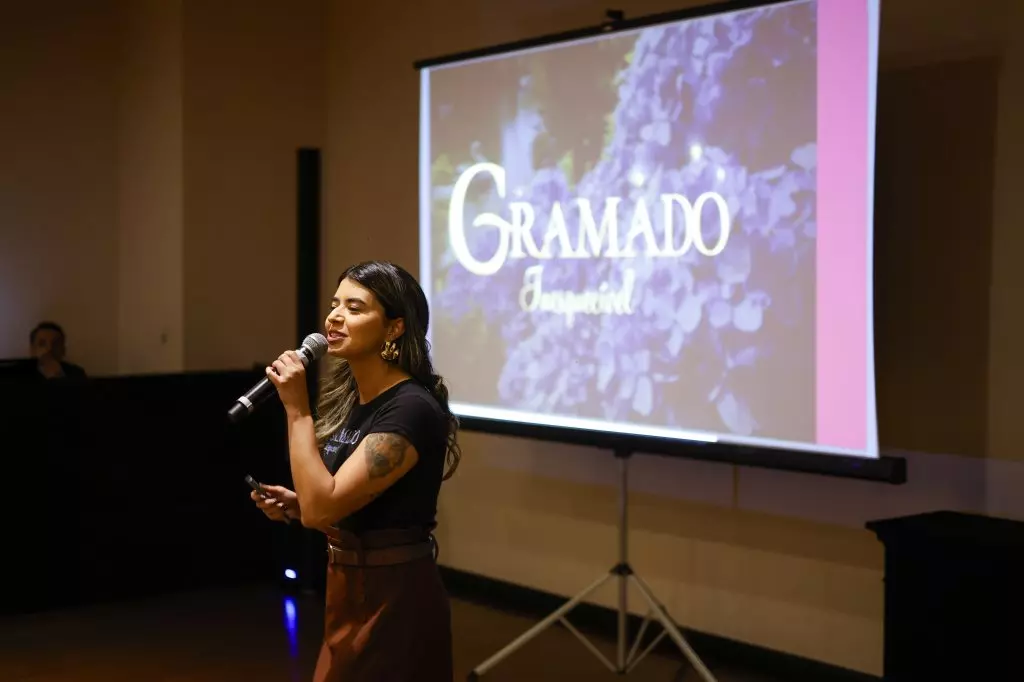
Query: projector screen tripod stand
x: 624, y: 574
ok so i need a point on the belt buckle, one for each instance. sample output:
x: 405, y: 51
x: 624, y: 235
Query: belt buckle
x: 359, y: 555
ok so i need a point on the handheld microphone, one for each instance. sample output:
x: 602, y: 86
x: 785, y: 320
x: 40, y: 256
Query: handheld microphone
x: 313, y: 348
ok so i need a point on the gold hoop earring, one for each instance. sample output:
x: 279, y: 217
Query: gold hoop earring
x: 390, y: 351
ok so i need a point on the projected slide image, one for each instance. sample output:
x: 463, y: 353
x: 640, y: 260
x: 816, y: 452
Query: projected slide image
x: 624, y: 230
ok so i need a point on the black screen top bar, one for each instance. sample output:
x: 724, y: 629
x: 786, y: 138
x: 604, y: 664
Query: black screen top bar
x: 883, y: 469
x: 613, y: 25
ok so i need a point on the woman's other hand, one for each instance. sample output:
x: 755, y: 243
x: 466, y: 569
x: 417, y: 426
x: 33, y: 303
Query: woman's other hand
x: 277, y: 502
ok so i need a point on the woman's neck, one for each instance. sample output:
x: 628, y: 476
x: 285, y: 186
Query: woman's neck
x: 374, y: 377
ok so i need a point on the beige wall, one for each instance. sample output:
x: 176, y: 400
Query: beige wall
x: 147, y: 194
x: 1006, y: 327
x: 254, y: 93
x: 776, y: 559
x: 150, y: 226
x: 933, y: 225
x: 58, y: 177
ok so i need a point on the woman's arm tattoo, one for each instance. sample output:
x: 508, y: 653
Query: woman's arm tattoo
x: 385, y: 452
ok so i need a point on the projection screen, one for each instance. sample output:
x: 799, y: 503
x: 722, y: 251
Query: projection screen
x: 662, y: 231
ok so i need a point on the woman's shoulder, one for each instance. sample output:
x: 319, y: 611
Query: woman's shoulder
x: 413, y: 393
x: 411, y: 401
x: 410, y: 410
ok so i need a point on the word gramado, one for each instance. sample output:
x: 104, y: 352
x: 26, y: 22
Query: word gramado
x: 593, y: 241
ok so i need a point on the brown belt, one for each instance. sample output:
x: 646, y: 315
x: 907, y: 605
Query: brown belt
x: 378, y: 556
x: 385, y: 547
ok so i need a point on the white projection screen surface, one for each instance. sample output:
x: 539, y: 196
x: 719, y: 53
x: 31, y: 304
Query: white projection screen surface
x: 664, y: 231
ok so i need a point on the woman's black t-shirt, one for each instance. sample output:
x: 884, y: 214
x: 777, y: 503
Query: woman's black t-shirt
x: 406, y: 409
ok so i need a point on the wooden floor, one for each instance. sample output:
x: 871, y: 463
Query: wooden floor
x: 261, y: 634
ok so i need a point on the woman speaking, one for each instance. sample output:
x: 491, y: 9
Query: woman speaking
x: 367, y: 472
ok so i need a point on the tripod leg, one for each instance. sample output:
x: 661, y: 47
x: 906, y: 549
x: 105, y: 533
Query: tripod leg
x: 623, y: 607
x: 538, y: 628
x: 623, y: 568
x: 673, y: 631
x: 632, y: 659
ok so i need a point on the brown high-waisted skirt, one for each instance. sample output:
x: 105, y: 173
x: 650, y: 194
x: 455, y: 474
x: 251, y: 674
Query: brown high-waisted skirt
x: 386, y: 624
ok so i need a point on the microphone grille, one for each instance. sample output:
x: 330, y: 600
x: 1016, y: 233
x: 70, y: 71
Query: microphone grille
x: 316, y: 344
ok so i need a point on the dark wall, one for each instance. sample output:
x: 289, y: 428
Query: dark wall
x: 124, y: 487
x: 933, y: 239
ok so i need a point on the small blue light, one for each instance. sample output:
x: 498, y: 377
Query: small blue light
x: 290, y: 574
x: 291, y: 627
x: 289, y: 613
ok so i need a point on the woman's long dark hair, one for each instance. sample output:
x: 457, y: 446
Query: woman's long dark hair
x: 401, y: 297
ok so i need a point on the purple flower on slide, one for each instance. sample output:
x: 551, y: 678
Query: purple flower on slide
x: 736, y: 415
x: 706, y: 106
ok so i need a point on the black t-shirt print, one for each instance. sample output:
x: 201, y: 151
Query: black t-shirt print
x: 406, y: 409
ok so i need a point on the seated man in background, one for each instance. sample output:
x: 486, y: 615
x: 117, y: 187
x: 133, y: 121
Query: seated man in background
x: 48, y: 347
